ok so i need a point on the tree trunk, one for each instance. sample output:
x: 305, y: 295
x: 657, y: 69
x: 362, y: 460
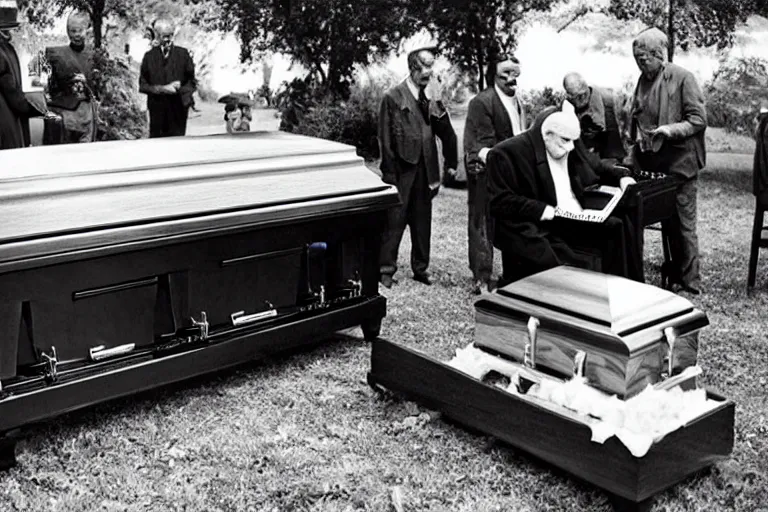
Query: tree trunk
x: 481, y: 68
x: 671, y: 31
x: 98, y: 21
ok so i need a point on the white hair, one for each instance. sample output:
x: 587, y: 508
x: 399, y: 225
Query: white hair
x: 562, y: 123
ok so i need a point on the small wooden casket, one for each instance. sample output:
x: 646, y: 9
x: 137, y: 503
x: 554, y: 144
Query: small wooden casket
x: 133, y: 264
x: 617, y: 333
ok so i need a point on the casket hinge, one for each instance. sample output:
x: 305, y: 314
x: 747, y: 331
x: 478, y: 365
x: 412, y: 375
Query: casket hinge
x: 50, y: 365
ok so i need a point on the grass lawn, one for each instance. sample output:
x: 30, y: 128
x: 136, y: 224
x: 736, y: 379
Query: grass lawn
x: 305, y: 432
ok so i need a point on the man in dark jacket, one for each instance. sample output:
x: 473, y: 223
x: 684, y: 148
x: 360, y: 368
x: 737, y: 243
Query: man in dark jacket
x: 529, y: 176
x: 494, y: 115
x: 71, y: 84
x: 168, y: 79
x: 596, y: 110
x: 668, y: 123
x: 408, y: 123
x: 15, y: 108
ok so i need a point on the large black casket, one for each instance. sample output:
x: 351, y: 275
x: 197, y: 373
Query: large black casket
x: 129, y: 265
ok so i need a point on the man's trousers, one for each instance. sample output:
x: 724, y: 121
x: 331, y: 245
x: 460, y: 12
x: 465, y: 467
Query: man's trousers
x: 414, y: 212
x: 167, y: 118
x: 683, y: 239
x: 480, y: 227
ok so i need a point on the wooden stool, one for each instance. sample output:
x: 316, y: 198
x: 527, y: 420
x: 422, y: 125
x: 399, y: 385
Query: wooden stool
x: 758, y: 242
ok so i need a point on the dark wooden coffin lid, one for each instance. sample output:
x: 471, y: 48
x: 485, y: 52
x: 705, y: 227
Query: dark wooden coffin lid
x: 83, y: 197
x: 613, y: 304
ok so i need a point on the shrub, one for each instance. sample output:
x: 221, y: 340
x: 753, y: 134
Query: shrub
x: 454, y: 88
x: 734, y: 93
x: 305, y: 109
x: 120, y: 113
x: 353, y: 121
x: 536, y: 101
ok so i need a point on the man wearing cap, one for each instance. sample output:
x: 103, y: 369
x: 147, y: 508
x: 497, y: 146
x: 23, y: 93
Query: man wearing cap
x: 668, y: 123
x: 408, y: 123
x: 15, y: 107
x: 71, y: 84
x: 168, y: 79
x: 596, y: 109
x: 543, y: 168
x: 494, y: 115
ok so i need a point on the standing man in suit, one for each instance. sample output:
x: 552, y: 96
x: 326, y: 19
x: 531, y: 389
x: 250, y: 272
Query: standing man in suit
x: 409, y: 121
x: 168, y: 79
x: 15, y: 107
x: 494, y: 115
x: 71, y: 84
x: 596, y: 110
x: 668, y: 123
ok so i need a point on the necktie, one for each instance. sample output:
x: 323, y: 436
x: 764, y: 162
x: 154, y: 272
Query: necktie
x: 424, y: 104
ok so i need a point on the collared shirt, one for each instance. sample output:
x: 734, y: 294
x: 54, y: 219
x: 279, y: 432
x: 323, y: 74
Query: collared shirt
x: 512, y: 107
x: 415, y: 88
x: 566, y: 199
x: 415, y: 91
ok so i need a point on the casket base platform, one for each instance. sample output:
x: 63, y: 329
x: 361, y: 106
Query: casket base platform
x: 630, y: 482
x: 136, y: 264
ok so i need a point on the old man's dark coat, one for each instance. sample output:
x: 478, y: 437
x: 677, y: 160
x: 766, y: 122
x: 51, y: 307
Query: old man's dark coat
x: 15, y: 110
x: 520, y: 186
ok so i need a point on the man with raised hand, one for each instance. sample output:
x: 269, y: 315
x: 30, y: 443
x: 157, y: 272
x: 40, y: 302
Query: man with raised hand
x: 409, y: 124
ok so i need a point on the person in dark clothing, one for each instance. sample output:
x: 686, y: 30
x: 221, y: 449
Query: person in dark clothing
x: 409, y: 122
x: 71, y: 83
x: 494, y: 115
x: 547, y: 167
x: 168, y: 79
x: 596, y: 110
x: 669, y: 119
x: 15, y: 107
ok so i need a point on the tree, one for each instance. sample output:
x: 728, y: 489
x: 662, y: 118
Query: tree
x: 328, y: 37
x: 43, y: 12
x: 702, y: 23
x: 468, y: 30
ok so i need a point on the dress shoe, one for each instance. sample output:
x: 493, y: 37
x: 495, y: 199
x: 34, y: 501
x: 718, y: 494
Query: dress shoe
x: 684, y: 288
x: 387, y: 280
x: 423, y: 278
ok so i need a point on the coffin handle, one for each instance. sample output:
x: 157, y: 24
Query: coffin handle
x: 670, y: 335
x: 202, y: 325
x: 529, y: 356
x: 579, y: 363
x: 240, y: 318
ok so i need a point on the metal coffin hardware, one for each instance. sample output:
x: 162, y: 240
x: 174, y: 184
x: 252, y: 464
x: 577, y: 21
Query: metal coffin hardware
x: 240, y: 318
x: 102, y: 352
x: 157, y: 270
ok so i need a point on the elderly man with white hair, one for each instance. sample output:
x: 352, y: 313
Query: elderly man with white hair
x: 168, y: 79
x: 668, y: 123
x: 546, y: 167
